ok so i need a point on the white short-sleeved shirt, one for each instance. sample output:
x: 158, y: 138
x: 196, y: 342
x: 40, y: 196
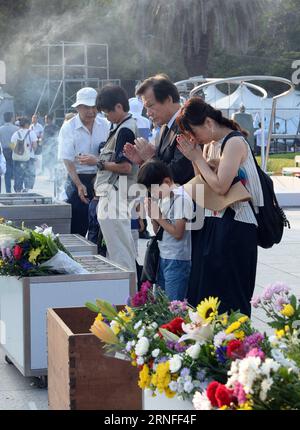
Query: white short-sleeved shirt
x: 31, y: 137
x: 38, y: 129
x: 74, y: 139
x: 169, y: 247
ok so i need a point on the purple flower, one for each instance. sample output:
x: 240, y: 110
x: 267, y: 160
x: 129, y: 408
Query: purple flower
x: 177, y: 307
x: 253, y: 341
x: 255, y: 302
x: 180, y: 347
x: 185, y: 372
x: 273, y: 289
x: 280, y: 302
x: 26, y: 265
x: 221, y: 354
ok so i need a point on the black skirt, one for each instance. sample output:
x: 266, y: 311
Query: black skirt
x: 224, y: 260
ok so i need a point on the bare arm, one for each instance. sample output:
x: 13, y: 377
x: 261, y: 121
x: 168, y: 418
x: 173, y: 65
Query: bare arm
x: 176, y: 230
x: 123, y: 168
x: 233, y: 156
x: 82, y: 191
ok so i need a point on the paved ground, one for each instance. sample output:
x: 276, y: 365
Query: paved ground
x: 281, y: 263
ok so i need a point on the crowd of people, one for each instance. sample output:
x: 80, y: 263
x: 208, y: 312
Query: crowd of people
x: 102, y: 144
x: 28, y: 149
x: 107, y: 149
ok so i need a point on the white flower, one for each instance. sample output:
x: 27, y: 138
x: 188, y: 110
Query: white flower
x: 154, y: 325
x: 197, y: 330
x: 142, y: 346
x: 188, y: 386
x: 175, y: 363
x: 283, y: 361
x: 194, y: 351
x: 137, y: 325
x: 201, y: 402
x: 221, y: 337
x: 245, y: 371
x: 48, y: 232
x: 140, y: 361
x: 155, y: 353
x: 268, y: 366
x: 173, y: 386
x: 265, y: 386
x: 128, y: 346
x: 141, y: 333
x: 156, y: 336
x: 38, y: 229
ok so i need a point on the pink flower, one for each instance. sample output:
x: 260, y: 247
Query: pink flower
x: 255, y: 302
x: 256, y: 352
x: 239, y: 393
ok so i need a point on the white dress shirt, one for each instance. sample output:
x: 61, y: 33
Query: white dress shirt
x: 74, y: 139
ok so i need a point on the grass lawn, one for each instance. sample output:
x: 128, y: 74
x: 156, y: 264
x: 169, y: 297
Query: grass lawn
x: 277, y: 161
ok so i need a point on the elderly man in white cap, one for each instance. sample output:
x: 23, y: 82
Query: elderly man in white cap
x: 82, y: 136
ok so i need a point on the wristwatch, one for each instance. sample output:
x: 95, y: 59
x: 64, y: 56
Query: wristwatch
x: 101, y: 165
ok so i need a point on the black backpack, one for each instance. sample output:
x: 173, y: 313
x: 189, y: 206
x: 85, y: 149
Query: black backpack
x: 271, y: 219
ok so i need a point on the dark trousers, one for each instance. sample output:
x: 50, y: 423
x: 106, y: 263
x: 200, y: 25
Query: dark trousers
x: 224, y: 259
x: 9, y: 169
x: 79, y: 222
x: 20, y: 168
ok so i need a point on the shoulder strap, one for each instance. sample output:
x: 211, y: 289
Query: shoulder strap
x: 229, y: 136
x: 160, y: 231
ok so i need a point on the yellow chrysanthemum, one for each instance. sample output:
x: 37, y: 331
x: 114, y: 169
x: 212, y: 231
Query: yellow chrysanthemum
x: 287, y: 329
x: 33, y: 255
x: 208, y: 309
x: 144, y: 377
x: 288, y: 310
x: 239, y: 335
x: 1, y: 262
x: 169, y: 393
x: 245, y: 407
x: 162, y: 377
x: 280, y: 333
x: 242, y: 320
x: 234, y: 326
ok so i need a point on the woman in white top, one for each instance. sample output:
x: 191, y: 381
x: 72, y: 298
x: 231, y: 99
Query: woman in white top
x: 225, y: 250
x: 24, y: 164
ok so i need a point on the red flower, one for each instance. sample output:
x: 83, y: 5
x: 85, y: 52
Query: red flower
x: 223, y: 396
x: 17, y: 252
x: 234, y: 349
x: 174, y: 326
x: 211, y: 393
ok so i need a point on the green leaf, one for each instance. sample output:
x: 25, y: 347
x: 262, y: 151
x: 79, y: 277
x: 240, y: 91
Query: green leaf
x: 106, y: 309
x: 167, y: 335
x: 92, y: 307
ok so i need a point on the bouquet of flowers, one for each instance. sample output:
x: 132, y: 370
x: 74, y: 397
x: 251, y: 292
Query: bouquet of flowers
x: 177, y: 348
x: 26, y: 252
x: 219, y: 361
x: 266, y: 371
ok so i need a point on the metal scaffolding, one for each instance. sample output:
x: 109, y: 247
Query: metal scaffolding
x: 68, y: 67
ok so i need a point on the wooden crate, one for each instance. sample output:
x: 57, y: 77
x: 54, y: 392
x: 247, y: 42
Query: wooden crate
x: 80, y: 376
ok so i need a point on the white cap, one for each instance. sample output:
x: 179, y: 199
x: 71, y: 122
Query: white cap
x: 86, y: 96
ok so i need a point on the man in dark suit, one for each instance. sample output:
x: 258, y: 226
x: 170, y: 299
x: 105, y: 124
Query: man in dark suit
x: 161, y: 100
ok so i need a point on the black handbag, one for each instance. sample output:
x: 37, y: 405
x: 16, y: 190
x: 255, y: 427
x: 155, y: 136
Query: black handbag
x: 151, y: 261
